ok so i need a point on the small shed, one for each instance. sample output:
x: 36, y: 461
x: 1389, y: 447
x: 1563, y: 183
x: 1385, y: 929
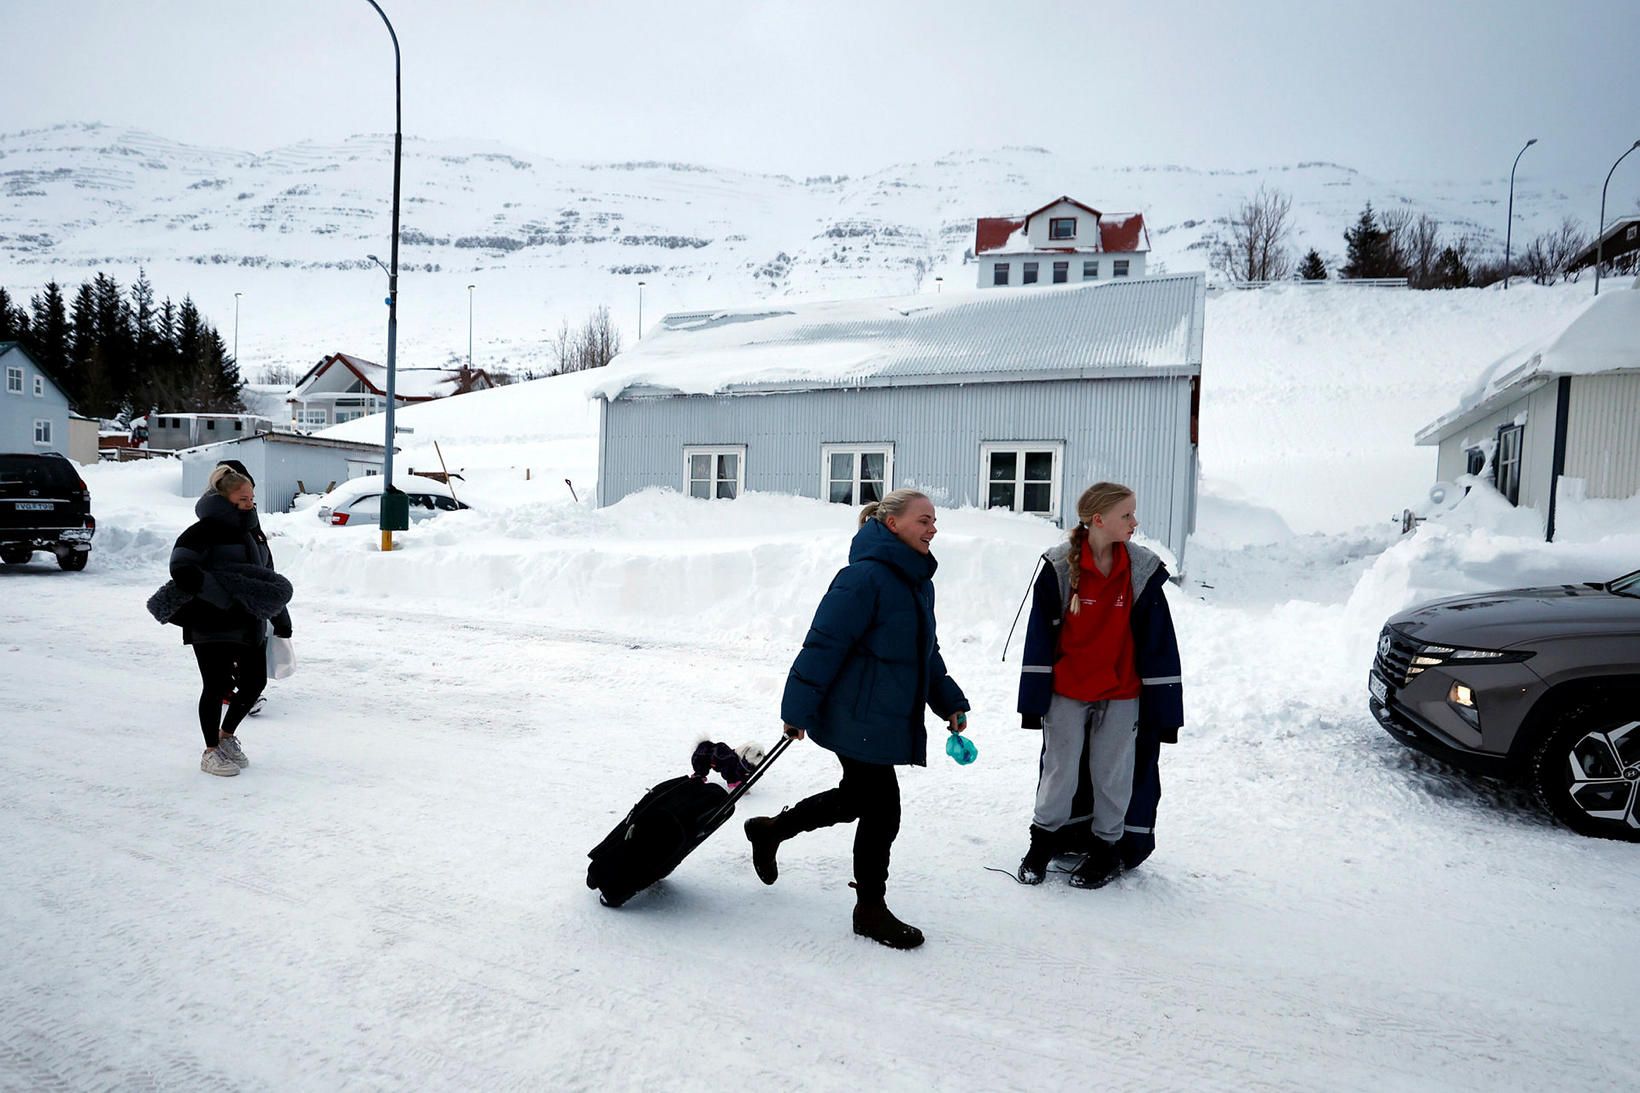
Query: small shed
x: 284, y: 464
x: 174, y: 432
x: 1562, y: 410
x: 1003, y: 398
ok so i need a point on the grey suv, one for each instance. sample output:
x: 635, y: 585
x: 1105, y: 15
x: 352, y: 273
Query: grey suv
x: 1534, y: 684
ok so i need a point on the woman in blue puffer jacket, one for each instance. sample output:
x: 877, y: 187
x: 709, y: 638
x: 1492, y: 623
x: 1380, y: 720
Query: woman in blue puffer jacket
x: 869, y: 665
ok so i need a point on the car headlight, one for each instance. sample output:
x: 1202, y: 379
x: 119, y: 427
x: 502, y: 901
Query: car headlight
x: 1431, y: 655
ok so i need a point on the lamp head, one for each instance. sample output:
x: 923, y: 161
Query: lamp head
x: 642, y: 283
x: 1531, y: 142
x: 471, y: 287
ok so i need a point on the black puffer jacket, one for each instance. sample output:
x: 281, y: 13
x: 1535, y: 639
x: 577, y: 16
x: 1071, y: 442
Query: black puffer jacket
x: 223, y: 539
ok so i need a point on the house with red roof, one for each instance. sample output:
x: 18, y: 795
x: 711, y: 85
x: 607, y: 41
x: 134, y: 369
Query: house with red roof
x: 341, y: 387
x: 1063, y: 242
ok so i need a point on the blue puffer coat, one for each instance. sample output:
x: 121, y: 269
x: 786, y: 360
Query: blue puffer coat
x: 871, y: 661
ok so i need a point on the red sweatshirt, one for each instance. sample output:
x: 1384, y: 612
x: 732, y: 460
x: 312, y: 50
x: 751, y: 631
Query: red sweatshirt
x: 1097, y: 641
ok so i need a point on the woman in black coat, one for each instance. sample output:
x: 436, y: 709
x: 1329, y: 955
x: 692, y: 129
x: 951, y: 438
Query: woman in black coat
x: 223, y: 565
x: 869, y: 666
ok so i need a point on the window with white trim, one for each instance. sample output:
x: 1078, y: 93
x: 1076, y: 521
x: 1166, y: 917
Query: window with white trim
x: 316, y: 416
x: 1508, y: 461
x: 1022, y: 476
x: 1090, y: 270
x: 711, y: 471
x: 39, y: 387
x: 14, y: 379
x: 999, y: 273
x: 42, y: 430
x: 852, y: 474
x: 1119, y: 268
x: 1028, y: 275
x: 1061, y: 272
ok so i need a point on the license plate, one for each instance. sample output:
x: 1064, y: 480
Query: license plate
x: 35, y: 506
x: 1379, y: 689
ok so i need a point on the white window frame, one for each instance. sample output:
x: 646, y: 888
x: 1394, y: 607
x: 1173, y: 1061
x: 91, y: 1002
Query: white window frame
x: 856, y: 450
x: 42, y: 431
x: 1093, y: 265
x: 1119, y: 267
x: 715, y: 450
x: 308, y: 417
x: 1056, y: 486
x: 1511, y: 451
x: 1061, y: 272
x: 1028, y: 272
x: 1054, y: 222
x: 39, y: 387
x: 14, y: 379
x: 1000, y: 274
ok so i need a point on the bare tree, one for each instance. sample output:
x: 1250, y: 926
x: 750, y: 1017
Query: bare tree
x: 1548, y: 258
x: 592, y: 346
x: 1423, y: 251
x: 1397, y: 223
x: 1254, y: 246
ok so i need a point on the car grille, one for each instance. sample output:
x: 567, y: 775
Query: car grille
x: 1399, y: 656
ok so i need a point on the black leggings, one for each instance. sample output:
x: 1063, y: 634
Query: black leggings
x: 869, y: 793
x: 223, y: 667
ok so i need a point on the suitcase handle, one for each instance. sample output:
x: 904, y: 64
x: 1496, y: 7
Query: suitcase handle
x: 724, y: 810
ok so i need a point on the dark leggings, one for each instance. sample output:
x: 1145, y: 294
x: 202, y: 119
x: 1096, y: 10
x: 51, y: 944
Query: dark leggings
x: 869, y: 793
x: 223, y: 666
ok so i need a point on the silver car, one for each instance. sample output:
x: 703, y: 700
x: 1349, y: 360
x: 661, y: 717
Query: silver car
x: 1540, y: 685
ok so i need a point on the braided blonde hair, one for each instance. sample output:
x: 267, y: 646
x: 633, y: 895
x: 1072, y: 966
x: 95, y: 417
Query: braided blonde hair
x: 225, y: 480
x: 1096, y: 500
x: 894, y: 503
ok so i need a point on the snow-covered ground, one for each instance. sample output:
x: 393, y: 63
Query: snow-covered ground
x: 392, y: 896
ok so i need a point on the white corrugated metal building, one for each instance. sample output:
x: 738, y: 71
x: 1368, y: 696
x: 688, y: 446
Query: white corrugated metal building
x: 1007, y: 398
x: 284, y: 465
x: 1564, y: 410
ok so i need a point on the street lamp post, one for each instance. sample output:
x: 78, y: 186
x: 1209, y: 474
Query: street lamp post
x: 1509, y: 232
x: 939, y: 284
x: 470, y: 326
x: 236, y: 297
x: 640, y: 310
x: 1600, y: 237
x: 390, y: 511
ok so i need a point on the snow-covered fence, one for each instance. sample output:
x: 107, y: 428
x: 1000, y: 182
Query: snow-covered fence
x: 1351, y: 282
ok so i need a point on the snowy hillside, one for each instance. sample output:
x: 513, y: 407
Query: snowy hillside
x: 545, y: 239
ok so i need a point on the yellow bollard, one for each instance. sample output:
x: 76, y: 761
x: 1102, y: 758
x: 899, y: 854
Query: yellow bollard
x: 387, y: 541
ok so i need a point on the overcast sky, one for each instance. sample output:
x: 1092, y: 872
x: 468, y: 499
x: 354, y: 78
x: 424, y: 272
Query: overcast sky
x: 1404, y: 89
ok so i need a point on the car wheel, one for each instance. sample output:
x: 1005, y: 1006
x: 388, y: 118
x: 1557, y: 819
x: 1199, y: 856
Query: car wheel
x: 14, y: 555
x: 73, y: 560
x: 1587, y: 770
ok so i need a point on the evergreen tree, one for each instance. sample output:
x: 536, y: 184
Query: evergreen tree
x: 48, y: 341
x: 219, y: 375
x: 1367, y: 248
x: 82, y: 348
x: 1451, y: 271
x: 13, y: 319
x: 116, y: 346
x: 1313, y: 268
x: 148, y: 348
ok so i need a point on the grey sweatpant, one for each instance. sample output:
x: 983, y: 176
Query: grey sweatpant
x: 1110, y: 730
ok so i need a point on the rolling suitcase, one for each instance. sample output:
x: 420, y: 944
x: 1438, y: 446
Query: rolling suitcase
x: 662, y: 829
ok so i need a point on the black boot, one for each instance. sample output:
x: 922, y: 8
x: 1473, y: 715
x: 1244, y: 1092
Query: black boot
x: 763, y: 832
x: 873, y: 919
x: 1035, y: 865
x: 1099, y: 868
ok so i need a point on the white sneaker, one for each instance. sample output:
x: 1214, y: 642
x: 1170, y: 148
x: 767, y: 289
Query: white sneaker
x: 232, y: 752
x: 213, y: 762
x: 256, y: 707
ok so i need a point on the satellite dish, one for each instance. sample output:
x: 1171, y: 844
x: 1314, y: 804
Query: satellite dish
x: 1445, y: 495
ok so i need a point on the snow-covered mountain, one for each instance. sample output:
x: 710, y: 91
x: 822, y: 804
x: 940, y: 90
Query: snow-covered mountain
x: 545, y: 239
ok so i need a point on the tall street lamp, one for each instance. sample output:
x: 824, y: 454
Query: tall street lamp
x: 1600, y: 237
x: 236, y: 297
x: 470, y: 326
x: 939, y: 283
x: 395, y: 506
x: 1509, y: 232
x: 640, y: 310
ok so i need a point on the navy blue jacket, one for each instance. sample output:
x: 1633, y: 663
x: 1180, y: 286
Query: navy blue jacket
x: 1155, y: 647
x: 871, y: 661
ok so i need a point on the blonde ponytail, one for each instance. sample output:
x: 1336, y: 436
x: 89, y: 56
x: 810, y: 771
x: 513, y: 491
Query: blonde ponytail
x: 1096, y: 500
x: 894, y: 503
x: 225, y: 480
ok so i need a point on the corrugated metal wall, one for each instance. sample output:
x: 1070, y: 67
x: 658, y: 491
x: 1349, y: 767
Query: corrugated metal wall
x: 1603, y: 434
x: 1537, y: 455
x: 277, y: 469
x: 1135, y: 431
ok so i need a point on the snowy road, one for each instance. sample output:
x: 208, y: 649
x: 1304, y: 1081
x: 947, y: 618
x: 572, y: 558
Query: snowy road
x: 392, y: 895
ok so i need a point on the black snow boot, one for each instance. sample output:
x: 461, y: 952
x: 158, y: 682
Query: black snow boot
x: 763, y: 832
x: 873, y: 919
x: 1035, y: 865
x: 1099, y: 868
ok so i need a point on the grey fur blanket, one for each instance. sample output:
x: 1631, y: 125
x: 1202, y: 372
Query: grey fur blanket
x: 257, y: 589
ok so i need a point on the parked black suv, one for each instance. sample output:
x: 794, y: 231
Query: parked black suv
x: 44, y: 505
x: 1533, y: 684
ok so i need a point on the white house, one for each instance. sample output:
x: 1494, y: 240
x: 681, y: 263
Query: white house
x: 1555, y: 419
x: 1063, y: 242
x: 34, y: 411
x: 342, y: 387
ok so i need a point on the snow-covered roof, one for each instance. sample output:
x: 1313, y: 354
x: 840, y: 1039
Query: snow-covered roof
x: 1119, y: 233
x: 1144, y: 325
x: 1604, y: 337
x: 408, y: 383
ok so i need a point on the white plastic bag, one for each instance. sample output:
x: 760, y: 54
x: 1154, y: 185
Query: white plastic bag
x: 281, y: 658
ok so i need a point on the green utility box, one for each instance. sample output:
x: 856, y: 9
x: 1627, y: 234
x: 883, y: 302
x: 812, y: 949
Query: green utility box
x: 395, y: 510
